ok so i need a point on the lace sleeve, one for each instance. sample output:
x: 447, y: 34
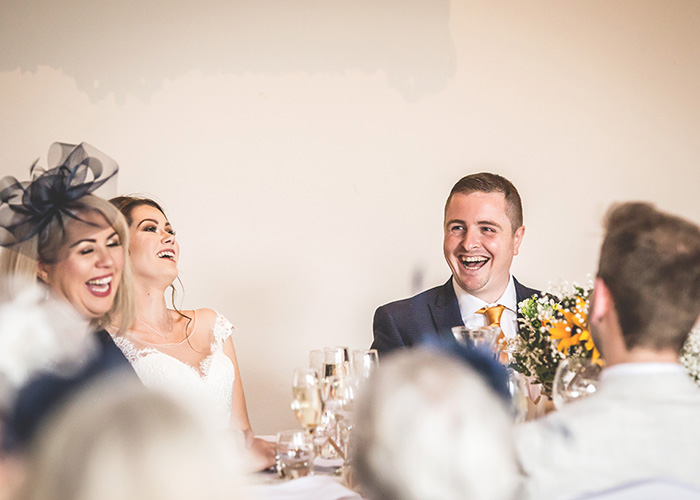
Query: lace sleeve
x: 129, y: 350
x: 222, y: 329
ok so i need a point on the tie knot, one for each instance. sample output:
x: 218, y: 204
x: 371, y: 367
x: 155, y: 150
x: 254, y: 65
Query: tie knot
x: 493, y: 314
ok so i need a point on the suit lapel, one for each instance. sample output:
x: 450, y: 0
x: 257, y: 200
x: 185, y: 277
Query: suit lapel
x: 445, y: 311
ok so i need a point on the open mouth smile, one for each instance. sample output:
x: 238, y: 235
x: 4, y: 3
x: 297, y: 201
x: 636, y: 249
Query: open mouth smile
x: 100, y: 287
x: 166, y: 254
x: 473, y: 263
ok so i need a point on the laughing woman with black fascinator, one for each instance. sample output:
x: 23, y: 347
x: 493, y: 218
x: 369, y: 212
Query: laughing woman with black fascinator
x: 55, y: 231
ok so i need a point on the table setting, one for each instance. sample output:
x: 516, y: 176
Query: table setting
x: 313, y: 462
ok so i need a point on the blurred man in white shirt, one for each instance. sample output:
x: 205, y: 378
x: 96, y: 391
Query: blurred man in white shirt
x: 644, y: 420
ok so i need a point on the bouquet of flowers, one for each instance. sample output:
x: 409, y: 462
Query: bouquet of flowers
x: 690, y: 355
x: 552, y: 327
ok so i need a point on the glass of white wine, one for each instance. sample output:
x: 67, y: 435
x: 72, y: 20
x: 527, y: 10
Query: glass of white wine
x: 336, y: 361
x: 307, y: 400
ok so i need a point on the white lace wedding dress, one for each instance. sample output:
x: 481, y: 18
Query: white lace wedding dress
x: 209, y: 386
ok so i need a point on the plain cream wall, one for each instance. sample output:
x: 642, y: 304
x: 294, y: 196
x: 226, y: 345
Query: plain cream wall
x: 304, y: 148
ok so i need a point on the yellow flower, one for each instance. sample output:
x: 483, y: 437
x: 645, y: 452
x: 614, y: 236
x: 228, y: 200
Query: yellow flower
x: 572, y: 329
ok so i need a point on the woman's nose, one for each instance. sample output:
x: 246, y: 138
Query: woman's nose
x: 168, y: 237
x: 105, y: 258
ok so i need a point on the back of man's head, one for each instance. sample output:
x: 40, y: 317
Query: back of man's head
x: 650, y: 262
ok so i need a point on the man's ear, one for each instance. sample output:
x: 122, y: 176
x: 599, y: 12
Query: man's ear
x: 518, y: 239
x: 602, y: 302
x: 42, y: 272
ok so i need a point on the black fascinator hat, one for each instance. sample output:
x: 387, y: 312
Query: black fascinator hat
x: 28, y: 209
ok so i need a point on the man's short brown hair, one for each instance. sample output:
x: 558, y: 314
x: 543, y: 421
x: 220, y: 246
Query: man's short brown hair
x: 486, y: 182
x: 650, y: 262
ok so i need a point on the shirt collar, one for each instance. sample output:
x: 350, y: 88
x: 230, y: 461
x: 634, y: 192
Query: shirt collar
x: 469, y: 304
x: 624, y: 369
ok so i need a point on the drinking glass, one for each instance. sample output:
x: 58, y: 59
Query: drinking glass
x: 340, y: 398
x: 335, y: 362
x: 575, y: 378
x: 364, y: 362
x: 307, y: 400
x: 483, y: 337
x: 294, y: 454
x: 519, y: 395
x: 317, y: 358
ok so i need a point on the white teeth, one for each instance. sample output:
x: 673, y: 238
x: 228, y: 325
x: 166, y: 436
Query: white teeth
x: 100, y: 281
x: 473, y: 259
x: 166, y: 253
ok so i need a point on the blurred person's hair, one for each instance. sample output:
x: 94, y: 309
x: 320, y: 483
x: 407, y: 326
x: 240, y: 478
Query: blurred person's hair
x: 486, y: 182
x: 431, y: 428
x: 20, y: 261
x: 650, y: 262
x: 39, y: 334
x: 117, y: 440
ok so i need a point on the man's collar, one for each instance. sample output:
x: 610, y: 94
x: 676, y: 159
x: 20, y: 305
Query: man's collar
x: 469, y: 304
x: 624, y: 369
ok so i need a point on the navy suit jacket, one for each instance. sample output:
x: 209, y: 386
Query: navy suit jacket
x: 431, y: 313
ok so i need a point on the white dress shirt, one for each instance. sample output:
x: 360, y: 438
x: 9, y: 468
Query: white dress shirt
x: 468, y: 305
x: 626, y: 369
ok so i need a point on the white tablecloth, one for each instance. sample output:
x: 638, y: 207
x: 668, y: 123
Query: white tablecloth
x: 315, y: 487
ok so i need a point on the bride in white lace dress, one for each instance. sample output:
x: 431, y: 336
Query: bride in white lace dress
x: 190, y: 352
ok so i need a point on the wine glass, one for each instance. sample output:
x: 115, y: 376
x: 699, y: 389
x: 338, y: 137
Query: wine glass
x: 519, y: 395
x: 364, y: 363
x: 317, y: 358
x: 575, y: 378
x: 340, y: 397
x: 335, y: 362
x: 307, y: 400
x: 481, y: 337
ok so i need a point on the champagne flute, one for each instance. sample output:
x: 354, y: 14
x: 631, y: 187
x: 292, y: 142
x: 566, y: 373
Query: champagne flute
x: 307, y: 401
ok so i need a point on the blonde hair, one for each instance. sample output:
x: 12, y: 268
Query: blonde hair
x: 21, y: 261
x: 117, y: 440
x: 432, y: 429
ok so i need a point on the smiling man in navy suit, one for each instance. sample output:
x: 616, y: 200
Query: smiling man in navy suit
x: 483, y: 231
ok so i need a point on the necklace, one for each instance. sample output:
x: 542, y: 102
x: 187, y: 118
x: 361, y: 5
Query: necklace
x: 170, y: 327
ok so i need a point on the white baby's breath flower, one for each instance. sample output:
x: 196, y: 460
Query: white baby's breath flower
x: 690, y: 355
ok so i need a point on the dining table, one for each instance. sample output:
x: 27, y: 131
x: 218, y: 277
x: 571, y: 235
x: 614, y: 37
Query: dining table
x: 322, y: 484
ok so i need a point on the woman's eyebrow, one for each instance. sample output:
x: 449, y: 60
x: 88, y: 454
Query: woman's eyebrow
x: 92, y: 240
x: 147, y: 220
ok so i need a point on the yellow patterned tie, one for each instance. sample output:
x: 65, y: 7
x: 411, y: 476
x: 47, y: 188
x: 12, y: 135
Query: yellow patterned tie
x: 493, y: 317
